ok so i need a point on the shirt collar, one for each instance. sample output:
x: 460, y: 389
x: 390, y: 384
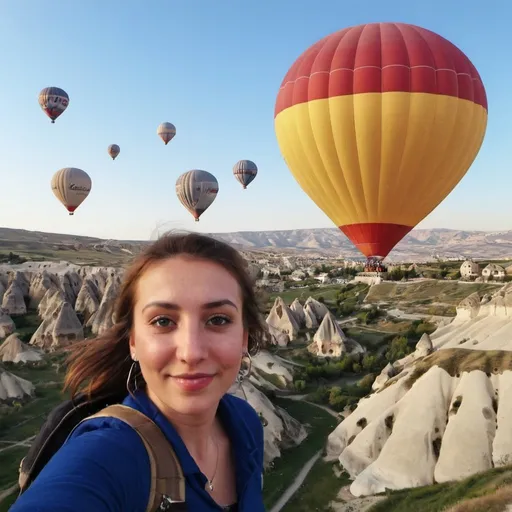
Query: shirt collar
x: 242, y: 439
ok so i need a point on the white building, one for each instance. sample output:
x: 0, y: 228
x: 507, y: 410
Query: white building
x: 469, y: 270
x: 493, y: 271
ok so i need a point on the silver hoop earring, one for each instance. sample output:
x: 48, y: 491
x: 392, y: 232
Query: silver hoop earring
x: 132, y: 373
x: 245, y: 368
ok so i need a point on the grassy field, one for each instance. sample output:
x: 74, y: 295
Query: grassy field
x: 327, y: 292
x: 286, y: 468
x: 318, y: 490
x: 448, y: 292
x: 81, y: 257
x: 485, y: 492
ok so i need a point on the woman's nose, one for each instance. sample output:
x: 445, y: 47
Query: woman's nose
x: 191, y: 346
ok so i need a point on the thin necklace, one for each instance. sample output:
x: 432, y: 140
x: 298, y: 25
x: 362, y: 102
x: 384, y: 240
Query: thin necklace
x: 210, y: 480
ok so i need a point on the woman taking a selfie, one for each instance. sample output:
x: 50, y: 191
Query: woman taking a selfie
x: 186, y: 321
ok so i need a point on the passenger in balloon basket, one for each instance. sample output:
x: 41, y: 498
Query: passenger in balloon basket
x: 159, y: 418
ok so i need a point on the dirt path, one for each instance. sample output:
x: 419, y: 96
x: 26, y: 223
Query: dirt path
x: 289, y: 361
x: 320, y: 406
x: 7, y: 492
x: 25, y: 442
x: 299, y: 480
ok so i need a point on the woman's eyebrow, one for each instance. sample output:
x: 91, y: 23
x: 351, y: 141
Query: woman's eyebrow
x: 174, y: 307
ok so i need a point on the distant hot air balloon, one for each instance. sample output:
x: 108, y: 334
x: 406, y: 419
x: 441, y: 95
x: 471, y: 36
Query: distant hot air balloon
x: 53, y: 101
x: 166, y: 131
x: 71, y: 186
x: 197, y: 190
x: 245, y: 171
x: 378, y: 123
x: 114, y: 150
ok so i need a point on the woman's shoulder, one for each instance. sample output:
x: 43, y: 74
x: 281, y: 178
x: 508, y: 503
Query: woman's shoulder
x: 103, y: 465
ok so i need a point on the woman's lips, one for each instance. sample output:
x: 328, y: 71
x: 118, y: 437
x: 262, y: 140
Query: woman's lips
x: 193, y: 382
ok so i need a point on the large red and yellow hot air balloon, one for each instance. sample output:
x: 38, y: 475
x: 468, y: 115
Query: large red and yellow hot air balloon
x: 378, y: 123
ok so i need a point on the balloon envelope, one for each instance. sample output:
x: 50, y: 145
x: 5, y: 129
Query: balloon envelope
x: 114, y: 150
x: 197, y: 190
x: 71, y: 186
x: 245, y: 171
x: 378, y: 123
x: 166, y: 131
x: 53, y: 101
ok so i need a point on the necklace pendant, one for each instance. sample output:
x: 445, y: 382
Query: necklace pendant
x: 210, y: 486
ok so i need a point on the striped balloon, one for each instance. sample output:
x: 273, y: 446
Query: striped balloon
x: 166, y: 131
x: 378, y: 123
x: 53, y: 101
x: 245, y: 171
x: 197, y: 190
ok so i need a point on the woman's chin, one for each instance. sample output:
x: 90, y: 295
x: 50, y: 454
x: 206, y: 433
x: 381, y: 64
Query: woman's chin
x: 194, y: 402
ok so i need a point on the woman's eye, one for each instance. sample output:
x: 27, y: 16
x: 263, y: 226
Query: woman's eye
x: 219, y: 320
x: 161, y: 322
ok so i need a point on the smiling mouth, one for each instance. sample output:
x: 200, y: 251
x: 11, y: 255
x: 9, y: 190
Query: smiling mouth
x: 193, y: 382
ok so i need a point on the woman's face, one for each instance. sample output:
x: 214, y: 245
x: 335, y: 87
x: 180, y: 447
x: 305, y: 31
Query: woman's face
x: 188, y: 333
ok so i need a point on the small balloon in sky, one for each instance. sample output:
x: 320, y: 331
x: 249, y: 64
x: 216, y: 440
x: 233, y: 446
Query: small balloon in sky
x: 166, y: 131
x: 54, y: 101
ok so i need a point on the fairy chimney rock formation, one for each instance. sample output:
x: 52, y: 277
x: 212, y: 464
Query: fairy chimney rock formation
x: 88, y: 300
x: 67, y: 327
x: 298, y: 312
x: 282, y: 319
x: 14, y: 388
x: 329, y: 339
x: 13, y: 350
x: 317, y: 308
x: 6, y: 323
x: 13, y: 301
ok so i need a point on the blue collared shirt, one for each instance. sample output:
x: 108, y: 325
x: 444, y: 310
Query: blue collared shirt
x: 104, y: 466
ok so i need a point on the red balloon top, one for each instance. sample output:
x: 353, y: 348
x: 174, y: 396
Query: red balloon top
x: 380, y: 57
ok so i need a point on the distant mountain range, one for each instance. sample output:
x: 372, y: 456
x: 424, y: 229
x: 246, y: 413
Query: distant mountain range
x: 420, y: 244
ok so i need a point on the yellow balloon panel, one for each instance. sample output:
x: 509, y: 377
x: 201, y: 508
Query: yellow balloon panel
x: 380, y: 157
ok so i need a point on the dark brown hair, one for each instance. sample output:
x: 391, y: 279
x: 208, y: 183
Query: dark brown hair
x: 100, y: 366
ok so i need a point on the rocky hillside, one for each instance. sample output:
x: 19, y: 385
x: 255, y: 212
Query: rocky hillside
x: 440, y: 414
x: 420, y: 244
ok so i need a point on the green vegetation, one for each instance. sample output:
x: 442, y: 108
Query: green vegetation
x: 320, y: 488
x: 490, y: 492
x: 22, y: 421
x: 11, y: 258
x: 339, y: 397
x: 287, y: 467
x: 27, y: 325
x: 42, y: 252
x: 350, y: 297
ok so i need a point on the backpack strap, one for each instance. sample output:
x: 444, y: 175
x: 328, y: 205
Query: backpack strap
x: 167, y: 491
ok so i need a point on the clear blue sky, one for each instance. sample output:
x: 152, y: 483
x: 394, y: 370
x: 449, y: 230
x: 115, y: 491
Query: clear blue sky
x: 213, y: 68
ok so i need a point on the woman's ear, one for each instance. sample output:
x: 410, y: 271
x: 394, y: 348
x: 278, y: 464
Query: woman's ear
x: 245, y: 344
x: 132, y: 346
